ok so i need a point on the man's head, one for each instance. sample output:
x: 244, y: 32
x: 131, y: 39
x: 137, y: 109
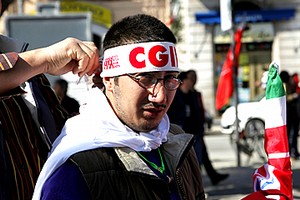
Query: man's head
x: 285, y: 76
x: 140, y: 70
x: 192, y: 75
x: 4, y: 5
x: 60, y: 88
x: 187, y: 83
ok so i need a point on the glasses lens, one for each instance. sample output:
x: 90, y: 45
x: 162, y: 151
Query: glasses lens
x: 147, y: 81
x: 172, y: 83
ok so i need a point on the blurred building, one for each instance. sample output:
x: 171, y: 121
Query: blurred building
x: 104, y: 13
x: 274, y: 34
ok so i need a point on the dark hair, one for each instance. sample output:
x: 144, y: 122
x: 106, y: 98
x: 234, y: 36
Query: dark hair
x: 285, y: 76
x: 63, y: 85
x: 5, y: 4
x: 137, y: 29
x: 183, y: 75
x: 191, y: 71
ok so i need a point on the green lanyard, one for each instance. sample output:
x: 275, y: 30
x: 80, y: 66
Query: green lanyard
x: 160, y: 169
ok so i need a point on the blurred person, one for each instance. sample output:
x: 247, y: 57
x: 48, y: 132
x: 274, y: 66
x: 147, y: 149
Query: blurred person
x: 295, y: 78
x: 292, y: 120
x: 214, y: 176
x: 60, y: 87
x: 30, y: 114
x: 297, y: 85
x: 122, y: 145
x: 187, y: 111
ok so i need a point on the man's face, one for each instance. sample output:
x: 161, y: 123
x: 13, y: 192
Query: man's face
x: 188, y: 83
x: 192, y: 76
x: 139, y: 108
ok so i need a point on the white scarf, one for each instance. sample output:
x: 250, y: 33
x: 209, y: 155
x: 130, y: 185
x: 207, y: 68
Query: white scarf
x: 97, y: 126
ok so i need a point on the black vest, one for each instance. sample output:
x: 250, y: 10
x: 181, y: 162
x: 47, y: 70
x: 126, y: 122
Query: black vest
x: 108, y: 178
x: 119, y: 173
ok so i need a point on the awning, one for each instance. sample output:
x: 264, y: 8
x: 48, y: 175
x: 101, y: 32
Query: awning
x: 213, y: 17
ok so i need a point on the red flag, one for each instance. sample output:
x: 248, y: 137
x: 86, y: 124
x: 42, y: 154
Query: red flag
x: 225, y: 85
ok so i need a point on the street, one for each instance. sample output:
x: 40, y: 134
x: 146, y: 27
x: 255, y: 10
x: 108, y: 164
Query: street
x: 239, y: 182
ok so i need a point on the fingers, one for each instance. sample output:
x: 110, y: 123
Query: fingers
x: 70, y: 54
x: 87, y: 56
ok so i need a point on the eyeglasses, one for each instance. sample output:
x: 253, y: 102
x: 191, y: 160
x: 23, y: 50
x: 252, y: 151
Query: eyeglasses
x: 147, y: 81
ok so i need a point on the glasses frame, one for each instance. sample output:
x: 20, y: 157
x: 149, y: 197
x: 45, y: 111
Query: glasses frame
x: 137, y: 80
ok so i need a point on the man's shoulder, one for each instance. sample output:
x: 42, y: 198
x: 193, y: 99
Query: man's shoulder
x: 101, y: 159
x: 177, y: 133
x: 176, y: 129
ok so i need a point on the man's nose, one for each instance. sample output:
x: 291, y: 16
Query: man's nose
x: 158, y: 93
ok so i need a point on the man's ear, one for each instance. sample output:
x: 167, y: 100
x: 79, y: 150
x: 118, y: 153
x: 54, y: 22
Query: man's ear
x: 109, y: 83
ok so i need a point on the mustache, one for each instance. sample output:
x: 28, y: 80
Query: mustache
x: 152, y: 105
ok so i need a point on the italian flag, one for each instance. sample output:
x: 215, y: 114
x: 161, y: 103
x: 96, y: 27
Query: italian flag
x: 277, y: 173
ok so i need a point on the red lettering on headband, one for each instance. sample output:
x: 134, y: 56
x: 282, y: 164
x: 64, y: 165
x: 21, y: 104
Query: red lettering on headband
x: 133, y: 57
x: 157, y: 56
x: 175, y: 56
x: 111, y: 62
x: 172, y: 56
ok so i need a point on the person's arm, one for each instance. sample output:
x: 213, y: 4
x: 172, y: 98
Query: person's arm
x: 66, y: 183
x: 68, y: 55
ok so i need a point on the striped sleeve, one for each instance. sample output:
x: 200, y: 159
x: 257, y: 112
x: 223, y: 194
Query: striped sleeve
x: 8, y: 60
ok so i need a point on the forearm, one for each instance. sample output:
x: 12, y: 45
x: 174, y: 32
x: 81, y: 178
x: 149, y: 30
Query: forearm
x: 68, y: 55
x: 27, y: 66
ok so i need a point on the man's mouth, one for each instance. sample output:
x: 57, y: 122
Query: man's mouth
x: 152, y: 106
x: 153, y: 112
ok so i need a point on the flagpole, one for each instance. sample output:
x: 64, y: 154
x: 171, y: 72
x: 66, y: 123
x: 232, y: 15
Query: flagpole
x: 235, y: 85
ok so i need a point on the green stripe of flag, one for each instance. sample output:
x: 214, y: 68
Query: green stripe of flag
x: 275, y: 87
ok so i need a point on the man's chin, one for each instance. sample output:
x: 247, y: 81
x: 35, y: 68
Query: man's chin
x: 147, y: 127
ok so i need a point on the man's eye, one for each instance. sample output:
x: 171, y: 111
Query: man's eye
x: 146, y: 76
x: 148, y: 80
x: 170, y: 77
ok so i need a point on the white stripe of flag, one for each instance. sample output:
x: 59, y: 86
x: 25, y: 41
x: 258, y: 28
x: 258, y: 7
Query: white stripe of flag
x: 276, y: 112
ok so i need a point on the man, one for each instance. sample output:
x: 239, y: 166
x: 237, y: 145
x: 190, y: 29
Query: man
x: 292, y: 118
x: 30, y: 115
x: 185, y: 111
x: 122, y: 146
x: 70, y: 104
x: 215, y: 177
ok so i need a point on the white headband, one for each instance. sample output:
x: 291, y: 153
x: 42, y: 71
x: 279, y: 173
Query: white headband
x: 140, y: 57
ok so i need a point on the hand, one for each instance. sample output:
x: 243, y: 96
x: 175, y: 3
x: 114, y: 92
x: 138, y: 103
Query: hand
x: 71, y: 55
x: 68, y: 55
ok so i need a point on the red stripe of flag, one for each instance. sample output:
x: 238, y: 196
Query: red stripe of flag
x: 274, y: 138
